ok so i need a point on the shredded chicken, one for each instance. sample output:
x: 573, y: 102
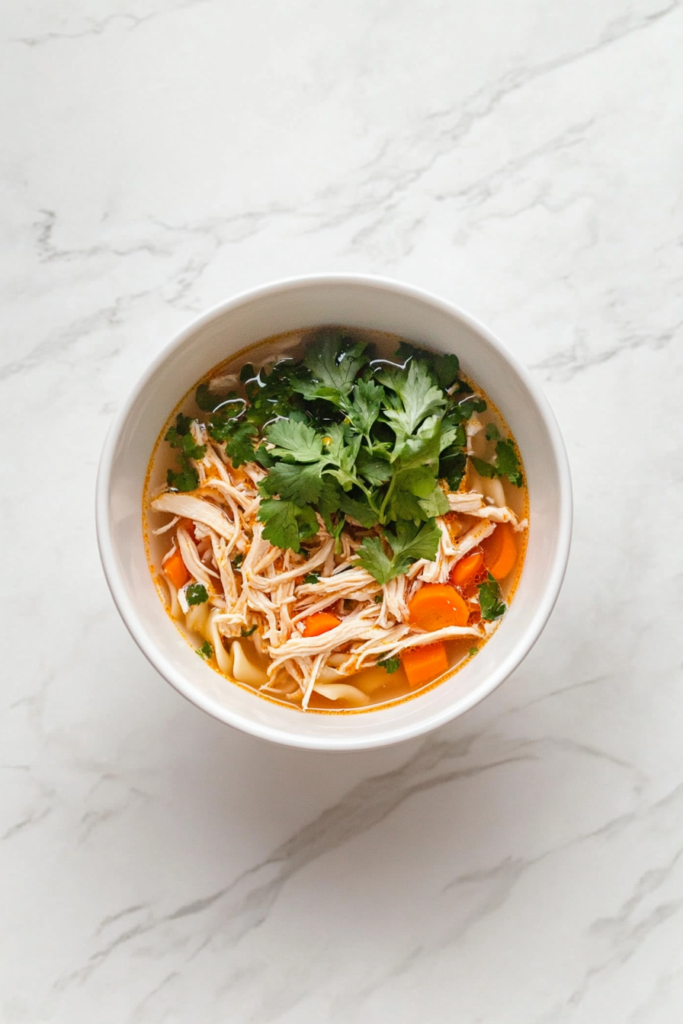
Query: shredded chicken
x: 260, y: 591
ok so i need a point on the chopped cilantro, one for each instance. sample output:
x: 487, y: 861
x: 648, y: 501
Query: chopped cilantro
x: 186, y: 480
x: 196, y: 593
x: 407, y: 544
x: 489, y: 600
x: 180, y: 437
x: 205, y: 651
x: 346, y: 437
x: 294, y: 441
x: 484, y: 468
x: 506, y: 464
x: 379, y: 598
x: 287, y: 524
x: 248, y: 632
x: 472, y: 651
x: 237, y: 561
x: 492, y: 432
x: 390, y: 665
x: 312, y: 577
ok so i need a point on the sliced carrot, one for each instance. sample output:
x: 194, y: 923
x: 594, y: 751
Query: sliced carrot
x: 464, y: 571
x: 423, y: 664
x: 175, y: 569
x: 320, y: 622
x: 437, y: 605
x: 500, y: 551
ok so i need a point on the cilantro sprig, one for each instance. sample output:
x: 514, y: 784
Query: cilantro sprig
x: 506, y: 460
x: 489, y: 600
x: 196, y: 593
x: 345, y: 436
x: 180, y: 437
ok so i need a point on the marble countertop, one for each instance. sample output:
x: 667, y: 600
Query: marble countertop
x: 523, y: 864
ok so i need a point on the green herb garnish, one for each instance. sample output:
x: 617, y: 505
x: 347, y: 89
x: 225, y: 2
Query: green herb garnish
x: 506, y: 464
x: 407, y: 544
x: 390, y: 665
x: 312, y: 577
x: 196, y: 593
x: 248, y: 632
x: 237, y: 561
x: 489, y: 599
x: 472, y: 651
x: 180, y: 437
x: 344, y: 435
x: 205, y: 651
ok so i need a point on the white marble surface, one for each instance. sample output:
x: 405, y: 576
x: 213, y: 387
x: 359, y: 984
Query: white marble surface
x: 524, y: 864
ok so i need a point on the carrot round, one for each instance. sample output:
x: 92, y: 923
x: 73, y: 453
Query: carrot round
x: 500, y: 551
x: 320, y: 622
x: 423, y: 664
x: 464, y: 571
x: 437, y: 605
x: 175, y: 569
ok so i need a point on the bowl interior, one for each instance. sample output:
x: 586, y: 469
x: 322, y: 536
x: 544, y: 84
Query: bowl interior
x: 360, y: 302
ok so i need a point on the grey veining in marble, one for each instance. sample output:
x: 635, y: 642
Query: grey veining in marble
x: 522, y: 864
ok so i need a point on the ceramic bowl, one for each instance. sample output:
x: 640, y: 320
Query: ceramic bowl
x: 358, y: 301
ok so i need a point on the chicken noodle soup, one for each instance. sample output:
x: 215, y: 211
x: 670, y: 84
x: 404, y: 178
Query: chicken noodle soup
x: 338, y: 522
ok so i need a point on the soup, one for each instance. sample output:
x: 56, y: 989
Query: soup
x: 337, y: 522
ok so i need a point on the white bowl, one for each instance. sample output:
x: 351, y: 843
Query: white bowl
x: 359, y: 301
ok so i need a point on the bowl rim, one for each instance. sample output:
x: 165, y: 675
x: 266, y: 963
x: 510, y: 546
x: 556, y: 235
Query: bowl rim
x: 156, y: 656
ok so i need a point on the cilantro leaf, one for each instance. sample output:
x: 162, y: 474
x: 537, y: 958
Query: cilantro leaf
x: 248, y: 632
x: 472, y: 403
x: 452, y: 464
x: 447, y: 368
x: 419, y: 398
x: 489, y: 600
x: 507, y: 462
x: 483, y: 468
x: 206, y: 399
x: 444, y: 367
x: 364, y: 409
x: 472, y: 651
x: 180, y: 437
x: 390, y: 664
x: 435, y: 505
x: 300, y: 484
x: 186, y: 480
x: 412, y: 541
x: 240, y: 448
x: 328, y: 505
x: 373, y: 557
x: 358, y: 509
x: 408, y: 543
x: 294, y: 441
x: 287, y: 524
x: 205, y: 651
x: 182, y: 426
x: 312, y: 577
x: 196, y: 593
x: 185, y: 442
x: 237, y: 561
x: 334, y: 358
x: 376, y: 471
x: 492, y: 432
